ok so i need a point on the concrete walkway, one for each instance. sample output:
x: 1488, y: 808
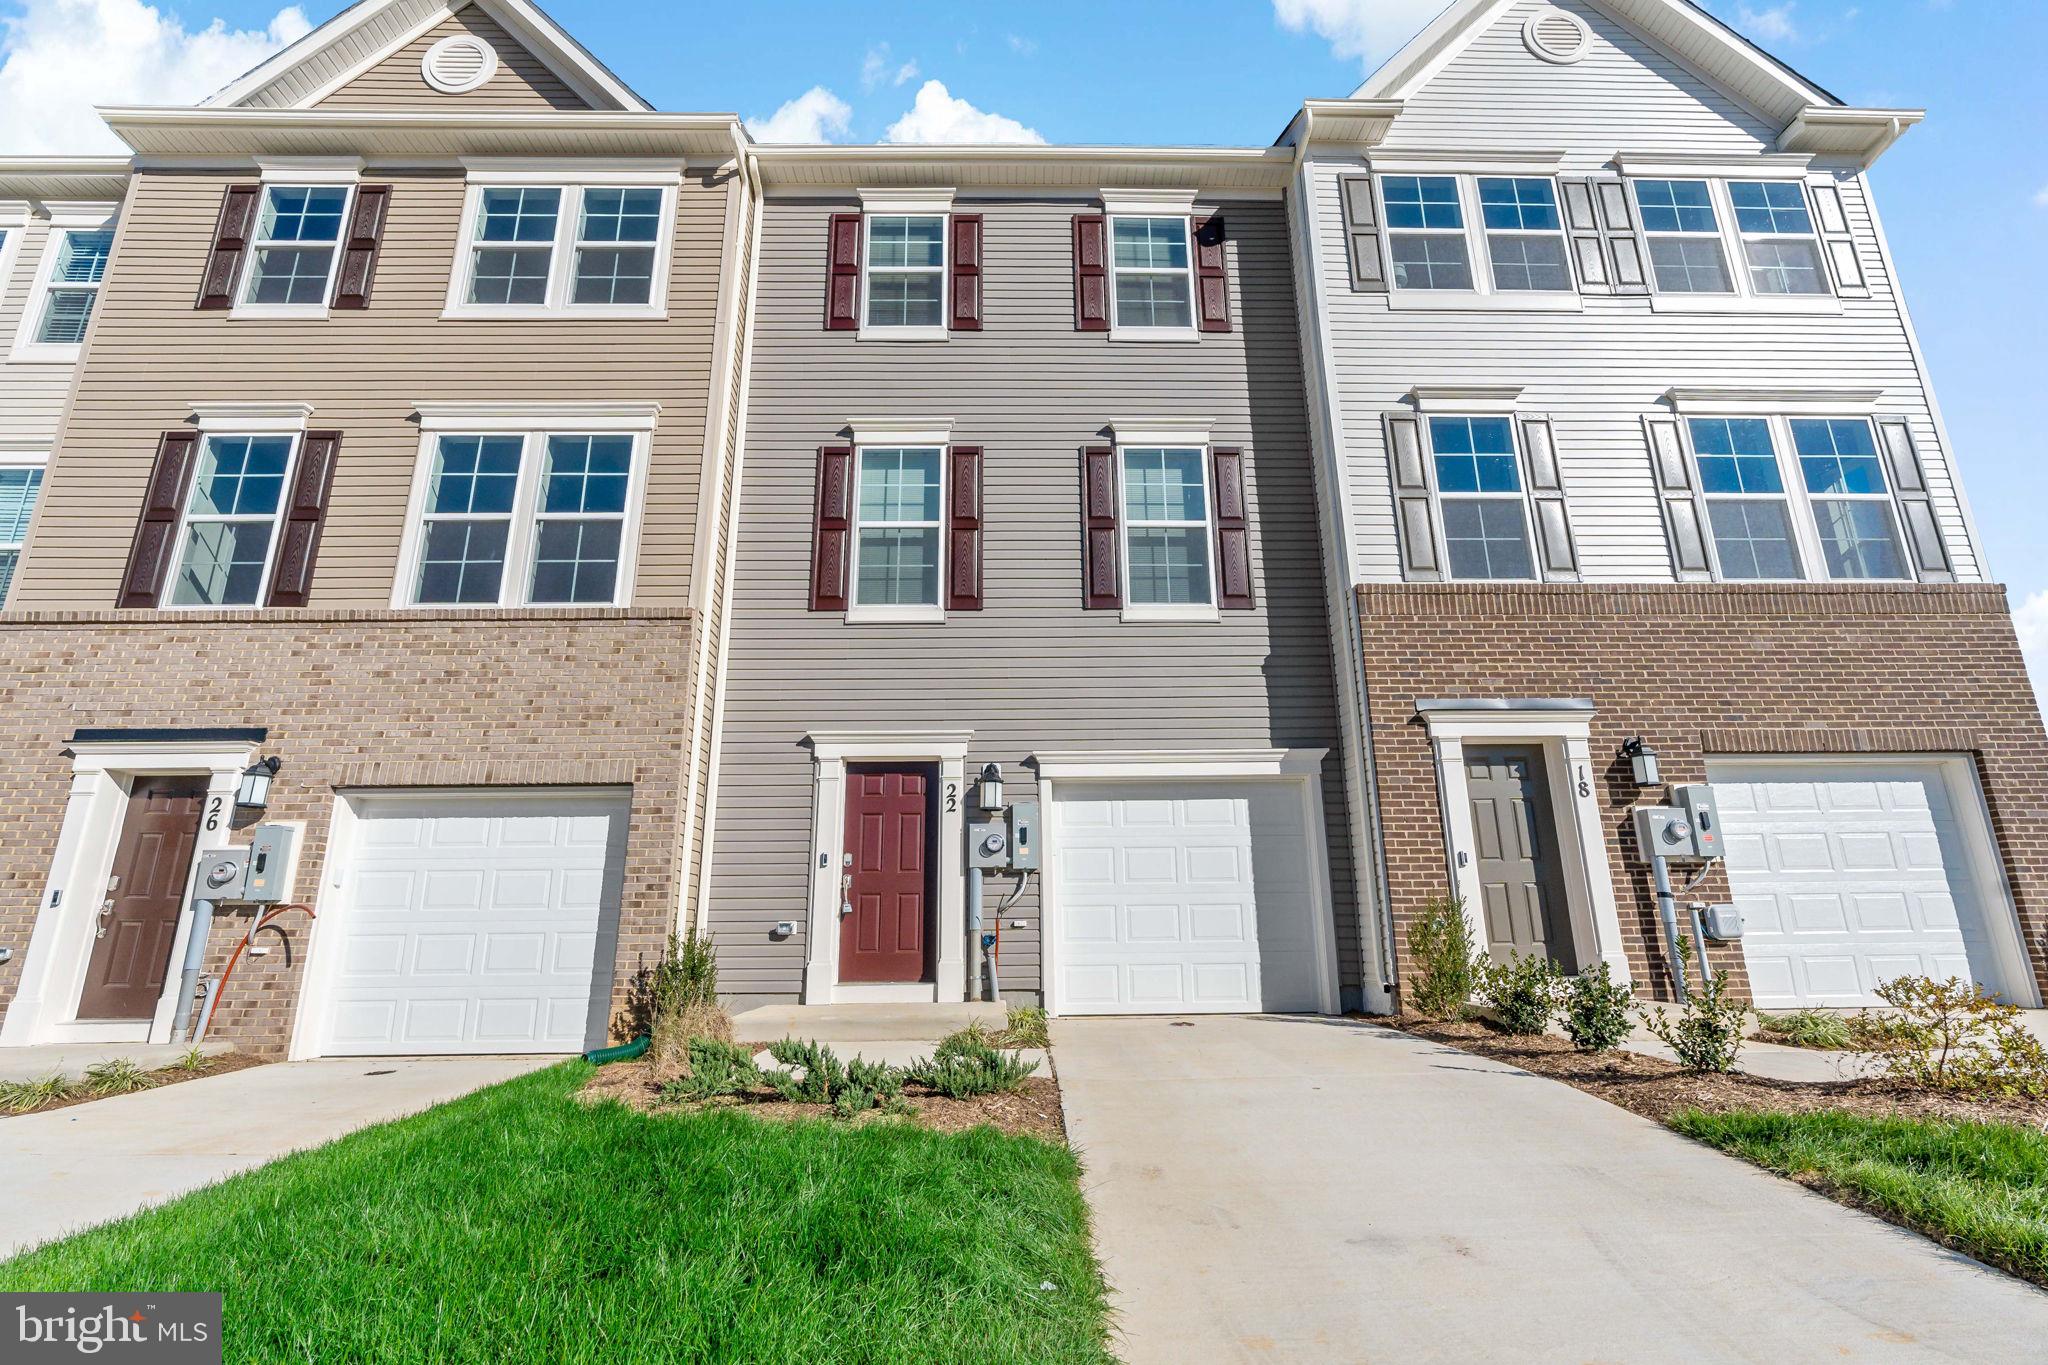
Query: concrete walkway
x: 894, y: 1034
x: 1304, y: 1189
x: 70, y: 1060
x: 72, y: 1168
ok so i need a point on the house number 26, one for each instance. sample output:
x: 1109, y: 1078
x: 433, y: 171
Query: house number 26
x: 214, y: 806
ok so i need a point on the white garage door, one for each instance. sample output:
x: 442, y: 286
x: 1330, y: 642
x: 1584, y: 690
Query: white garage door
x: 1850, y: 874
x: 479, y: 925
x: 1183, y: 898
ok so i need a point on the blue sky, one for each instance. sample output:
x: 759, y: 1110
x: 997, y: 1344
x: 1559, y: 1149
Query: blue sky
x: 1964, y: 196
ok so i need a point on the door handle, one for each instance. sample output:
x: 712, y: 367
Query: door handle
x: 100, y: 919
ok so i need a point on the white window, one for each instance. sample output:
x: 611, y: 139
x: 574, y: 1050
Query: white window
x: 1747, y: 508
x: 296, y: 246
x: 229, y: 533
x: 536, y: 250
x: 518, y: 513
x: 1686, y: 252
x: 899, y: 494
x: 1169, y: 544
x: 1778, y: 240
x: 1524, y: 234
x: 1152, y: 285
x: 60, y: 306
x: 906, y: 272
x: 1480, y: 498
x: 21, y: 482
x: 1851, y: 501
x: 1426, y: 232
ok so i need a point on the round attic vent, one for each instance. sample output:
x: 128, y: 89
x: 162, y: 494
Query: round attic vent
x: 1557, y: 35
x: 459, y: 64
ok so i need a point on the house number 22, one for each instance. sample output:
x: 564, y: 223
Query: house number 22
x: 952, y: 797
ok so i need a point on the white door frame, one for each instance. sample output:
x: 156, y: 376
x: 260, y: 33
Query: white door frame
x: 1562, y: 730
x: 1973, y: 822
x: 331, y: 899
x: 1301, y: 767
x: 103, y: 773
x: 831, y: 751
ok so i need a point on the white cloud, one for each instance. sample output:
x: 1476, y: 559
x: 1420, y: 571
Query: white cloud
x: 2041, y: 197
x: 2030, y: 620
x: 58, y: 58
x: 877, y: 68
x: 1772, y: 25
x: 814, y: 116
x: 938, y: 117
x: 1023, y: 47
x: 1370, y: 30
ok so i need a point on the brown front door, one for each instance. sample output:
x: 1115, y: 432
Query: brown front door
x: 1521, y: 884
x: 137, y: 919
x: 887, y: 895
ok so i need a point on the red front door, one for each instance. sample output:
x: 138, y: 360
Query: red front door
x: 138, y: 919
x: 889, y: 838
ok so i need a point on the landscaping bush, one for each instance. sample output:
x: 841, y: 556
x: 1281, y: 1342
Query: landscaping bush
x: 682, y: 1004
x: 1596, y: 1012
x: 1524, y: 992
x: 851, y: 1088
x: 1707, y: 1034
x: 962, y: 1068
x: 25, y: 1097
x: 117, y: 1076
x: 1808, y: 1028
x: 1950, y: 1035
x: 1447, y: 966
x: 716, y: 1068
x: 1027, y: 1028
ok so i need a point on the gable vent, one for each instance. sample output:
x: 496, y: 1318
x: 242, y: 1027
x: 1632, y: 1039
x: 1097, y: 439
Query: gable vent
x: 1557, y: 35
x: 459, y: 64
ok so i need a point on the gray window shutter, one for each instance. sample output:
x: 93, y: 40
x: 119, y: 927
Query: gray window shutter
x: 1588, y: 249
x: 1625, y: 250
x: 1555, y: 552
x: 1684, y: 516
x: 1362, y: 231
x: 1832, y: 217
x: 1909, y: 484
x: 1421, y: 560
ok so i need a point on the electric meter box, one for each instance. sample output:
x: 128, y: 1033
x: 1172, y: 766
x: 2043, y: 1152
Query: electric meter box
x: 270, y: 861
x: 1024, y: 835
x: 1701, y: 811
x: 1721, y: 923
x: 1665, y: 832
x: 988, y: 843
x: 223, y: 872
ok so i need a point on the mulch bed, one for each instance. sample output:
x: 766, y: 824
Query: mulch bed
x: 219, y: 1065
x: 1657, y: 1089
x: 1033, y: 1111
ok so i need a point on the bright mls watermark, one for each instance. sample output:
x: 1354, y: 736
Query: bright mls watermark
x: 161, y: 1329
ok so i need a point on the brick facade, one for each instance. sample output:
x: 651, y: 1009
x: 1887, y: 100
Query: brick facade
x: 353, y: 698
x: 1698, y: 669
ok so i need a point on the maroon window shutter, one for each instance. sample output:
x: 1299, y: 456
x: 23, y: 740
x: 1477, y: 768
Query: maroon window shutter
x: 831, y: 526
x: 1103, y: 590
x: 1212, y: 284
x: 963, y: 529
x: 230, y: 244
x: 1091, y: 272
x: 842, y: 291
x: 966, y: 273
x: 163, y: 502
x: 1233, y: 532
x: 359, y: 254
x: 291, y: 582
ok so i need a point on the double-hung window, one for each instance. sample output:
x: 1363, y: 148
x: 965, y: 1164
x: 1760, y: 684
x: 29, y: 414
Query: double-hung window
x: 906, y: 271
x: 1169, y: 543
x: 21, y: 481
x: 1524, y: 234
x: 1851, y: 501
x: 1426, y: 232
x: 898, y: 499
x: 533, y: 250
x: 1686, y: 254
x: 1778, y: 240
x: 296, y: 246
x: 1746, y: 503
x: 1152, y: 269
x: 60, y: 306
x: 1480, y: 494
x: 229, y: 533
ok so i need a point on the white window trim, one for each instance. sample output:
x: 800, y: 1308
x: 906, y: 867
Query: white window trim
x: 534, y: 423
x: 23, y: 459
x: 1476, y: 410
x: 251, y: 419
x: 1138, y: 438
x: 895, y: 613
x: 229, y: 431
x: 1743, y: 297
x: 28, y: 351
x: 872, y: 331
x: 1483, y: 296
x: 572, y: 182
x: 1812, y: 237
x: 1788, y: 498
x: 314, y: 172
x: 1171, y: 208
x: 1486, y: 236
x: 15, y: 226
x: 1812, y: 547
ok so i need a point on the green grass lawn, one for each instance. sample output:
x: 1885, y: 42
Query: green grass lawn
x: 1981, y: 1188
x: 520, y: 1225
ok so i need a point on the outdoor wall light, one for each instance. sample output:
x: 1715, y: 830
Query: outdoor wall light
x: 254, y: 792
x: 1642, y: 760
x: 988, y: 790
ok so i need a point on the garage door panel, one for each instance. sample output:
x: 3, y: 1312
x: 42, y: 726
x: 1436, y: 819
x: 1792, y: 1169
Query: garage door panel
x: 1151, y: 924
x: 1156, y: 863
x: 1890, y: 912
x: 442, y: 954
x: 1220, y: 925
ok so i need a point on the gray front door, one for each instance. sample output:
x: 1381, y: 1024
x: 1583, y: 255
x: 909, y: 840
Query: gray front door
x: 1521, y: 885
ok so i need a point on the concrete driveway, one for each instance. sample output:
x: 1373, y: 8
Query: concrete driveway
x: 72, y: 1168
x: 1327, y: 1190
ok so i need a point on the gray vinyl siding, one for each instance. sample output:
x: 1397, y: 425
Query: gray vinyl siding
x: 1599, y: 372
x: 1033, y: 671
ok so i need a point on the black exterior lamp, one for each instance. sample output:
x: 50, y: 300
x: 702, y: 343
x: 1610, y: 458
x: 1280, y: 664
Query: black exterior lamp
x: 253, y: 793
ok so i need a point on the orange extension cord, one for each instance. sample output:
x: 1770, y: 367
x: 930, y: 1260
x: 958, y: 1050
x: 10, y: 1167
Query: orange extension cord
x: 220, y: 987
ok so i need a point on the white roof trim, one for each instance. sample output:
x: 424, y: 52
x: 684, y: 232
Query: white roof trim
x: 252, y: 419
x: 489, y: 416
x: 1755, y: 402
x: 1465, y: 398
x: 901, y: 431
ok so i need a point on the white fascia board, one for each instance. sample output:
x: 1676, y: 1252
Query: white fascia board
x: 319, y: 40
x: 1160, y: 203
x: 1750, y: 402
x: 486, y: 416
x: 1162, y: 431
x: 901, y: 431
x: 250, y: 419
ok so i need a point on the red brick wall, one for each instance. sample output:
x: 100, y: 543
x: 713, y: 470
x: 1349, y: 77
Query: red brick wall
x: 1709, y: 668
x: 352, y: 698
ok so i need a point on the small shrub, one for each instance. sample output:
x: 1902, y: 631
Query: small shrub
x: 1707, y: 1034
x: 1524, y: 992
x: 116, y: 1076
x: 1596, y: 1012
x: 1950, y: 1035
x: 682, y: 1003
x: 878, y: 1079
x: 1807, y: 1028
x: 1027, y: 1028
x: 961, y: 1069
x: 717, y: 1068
x: 192, y: 1059
x: 822, y: 1076
x: 25, y: 1097
x: 974, y: 1038
x: 1447, y: 966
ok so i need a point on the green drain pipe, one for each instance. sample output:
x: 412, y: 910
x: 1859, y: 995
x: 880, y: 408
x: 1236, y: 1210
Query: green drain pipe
x: 624, y: 1052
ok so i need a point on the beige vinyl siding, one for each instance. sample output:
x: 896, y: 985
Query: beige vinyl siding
x: 522, y: 80
x: 304, y: 73
x: 1032, y: 671
x: 154, y: 355
x: 31, y: 396
x: 1597, y: 373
